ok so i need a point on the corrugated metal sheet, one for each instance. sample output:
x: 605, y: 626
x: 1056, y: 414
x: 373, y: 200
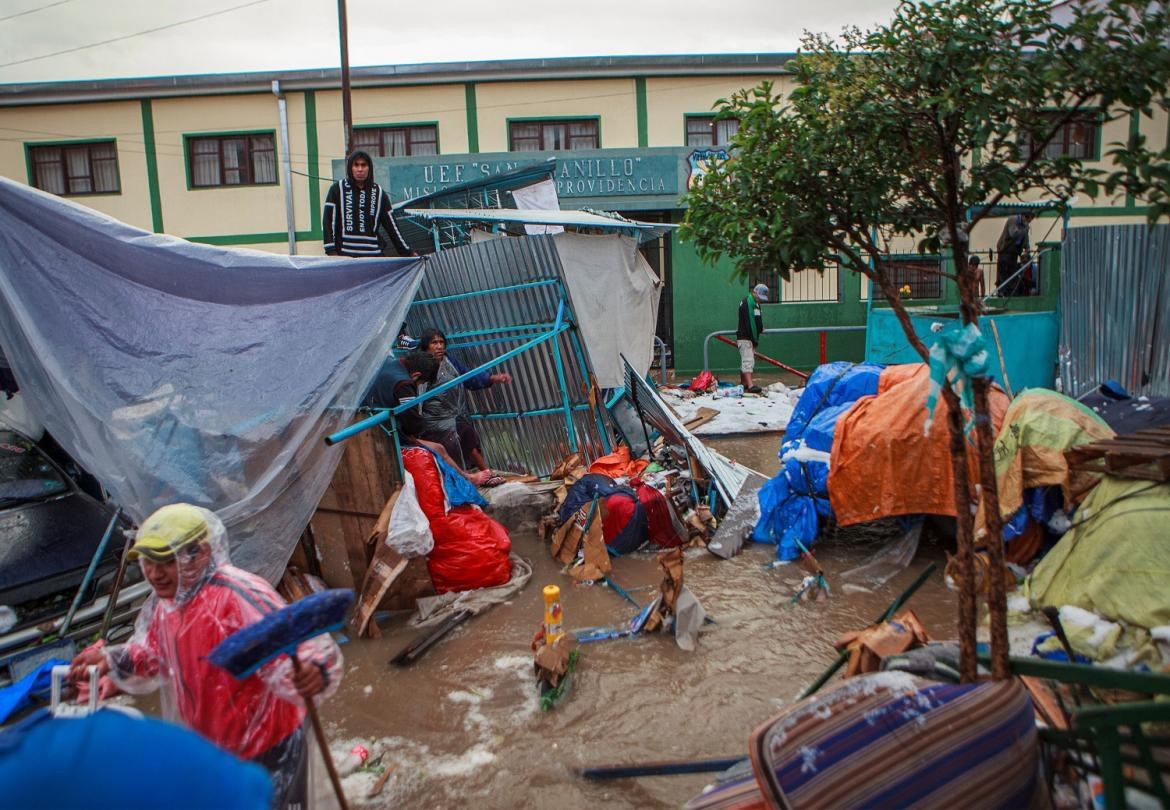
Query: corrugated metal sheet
x: 532, y: 443
x: 728, y: 476
x: 1115, y: 308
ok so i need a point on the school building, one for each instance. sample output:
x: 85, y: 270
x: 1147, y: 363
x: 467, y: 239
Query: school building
x: 245, y: 159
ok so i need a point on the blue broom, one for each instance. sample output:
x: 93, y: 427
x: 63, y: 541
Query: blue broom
x: 280, y: 633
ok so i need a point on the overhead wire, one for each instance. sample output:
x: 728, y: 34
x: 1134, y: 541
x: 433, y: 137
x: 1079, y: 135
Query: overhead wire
x: 34, y: 10
x: 135, y: 34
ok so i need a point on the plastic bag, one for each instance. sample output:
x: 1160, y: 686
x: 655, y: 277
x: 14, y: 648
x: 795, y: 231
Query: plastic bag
x: 428, y: 483
x: 702, y: 381
x: 471, y: 551
x: 661, y: 528
x: 410, y: 531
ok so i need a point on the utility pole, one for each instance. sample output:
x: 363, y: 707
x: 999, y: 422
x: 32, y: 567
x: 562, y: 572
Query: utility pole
x: 346, y: 111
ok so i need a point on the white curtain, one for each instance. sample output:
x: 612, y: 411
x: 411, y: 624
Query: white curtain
x: 263, y: 159
x: 77, y: 167
x: 50, y: 175
x: 105, y: 167
x: 205, y: 163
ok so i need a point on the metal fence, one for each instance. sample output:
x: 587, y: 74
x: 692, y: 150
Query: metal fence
x: 490, y: 298
x: 1115, y: 308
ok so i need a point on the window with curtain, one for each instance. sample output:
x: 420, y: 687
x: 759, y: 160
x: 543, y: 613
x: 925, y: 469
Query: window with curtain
x: 536, y: 136
x: 1076, y: 138
x: 232, y: 160
x: 704, y: 130
x: 74, y: 169
x: 398, y: 141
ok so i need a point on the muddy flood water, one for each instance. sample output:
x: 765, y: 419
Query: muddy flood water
x: 463, y: 726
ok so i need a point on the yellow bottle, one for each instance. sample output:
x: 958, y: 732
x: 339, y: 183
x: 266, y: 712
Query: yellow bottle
x: 552, y: 614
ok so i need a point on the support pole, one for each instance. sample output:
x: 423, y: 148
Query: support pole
x: 346, y: 110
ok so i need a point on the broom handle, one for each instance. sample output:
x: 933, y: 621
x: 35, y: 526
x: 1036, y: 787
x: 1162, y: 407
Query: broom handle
x: 323, y: 743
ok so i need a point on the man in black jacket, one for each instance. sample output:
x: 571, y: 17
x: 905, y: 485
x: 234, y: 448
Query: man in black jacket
x: 354, y: 209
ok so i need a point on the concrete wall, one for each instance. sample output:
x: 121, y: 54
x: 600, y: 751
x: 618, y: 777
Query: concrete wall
x: 611, y: 100
x: 670, y: 100
x: 22, y: 127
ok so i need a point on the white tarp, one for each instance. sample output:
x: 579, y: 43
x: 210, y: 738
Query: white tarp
x: 182, y: 372
x: 614, y: 294
x: 540, y: 196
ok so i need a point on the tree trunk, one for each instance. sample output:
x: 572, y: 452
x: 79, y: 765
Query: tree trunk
x: 964, y: 520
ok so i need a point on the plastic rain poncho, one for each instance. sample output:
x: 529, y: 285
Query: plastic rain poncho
x: 254, y: 718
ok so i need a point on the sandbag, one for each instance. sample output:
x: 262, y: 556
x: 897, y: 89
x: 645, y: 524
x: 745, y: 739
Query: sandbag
x: 471, y: 551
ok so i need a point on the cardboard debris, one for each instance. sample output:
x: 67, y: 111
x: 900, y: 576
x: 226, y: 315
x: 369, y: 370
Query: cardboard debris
x: 869, y: 647
x: 551, y: 661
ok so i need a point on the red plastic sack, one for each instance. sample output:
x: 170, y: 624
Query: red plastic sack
x: 428, y: 482
x: 702, y: 381
x: 471, y: 551
x: 658, y: 522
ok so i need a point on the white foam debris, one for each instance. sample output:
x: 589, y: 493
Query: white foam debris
x: 368, y: 689
x: 467, y: 763
x: 803, y: 453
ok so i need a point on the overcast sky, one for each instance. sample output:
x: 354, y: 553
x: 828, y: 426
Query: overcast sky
x: 53, y: 40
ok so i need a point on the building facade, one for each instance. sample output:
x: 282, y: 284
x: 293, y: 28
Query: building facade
x: 245, y: 160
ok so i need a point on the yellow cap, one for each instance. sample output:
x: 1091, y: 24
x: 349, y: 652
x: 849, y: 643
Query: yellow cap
x: 168, y: 530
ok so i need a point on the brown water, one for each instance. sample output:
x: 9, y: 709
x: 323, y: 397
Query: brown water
x: 463, y: 725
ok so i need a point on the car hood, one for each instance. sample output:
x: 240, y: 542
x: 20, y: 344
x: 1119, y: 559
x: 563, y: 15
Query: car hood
x: 47, y: 545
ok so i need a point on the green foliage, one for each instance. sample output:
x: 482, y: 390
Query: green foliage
x: 920, y: 127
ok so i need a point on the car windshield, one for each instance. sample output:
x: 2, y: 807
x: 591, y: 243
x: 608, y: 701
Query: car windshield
x: 25, y: 473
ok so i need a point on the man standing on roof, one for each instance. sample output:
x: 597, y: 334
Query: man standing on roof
x: 357, y: 211
x: 747, y: 335
x: 200, y: 599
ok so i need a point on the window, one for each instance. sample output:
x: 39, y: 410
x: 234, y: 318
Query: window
x: 704, y: 130
x: 1076, y: 138
x: 81, y: 168
x: 921, y: 274
x: 802, y: 287
x: 399, y: 141
x: 535, y: 136
x: 231, y: 160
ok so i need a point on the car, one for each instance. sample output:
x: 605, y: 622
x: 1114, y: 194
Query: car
x: 50, y: 530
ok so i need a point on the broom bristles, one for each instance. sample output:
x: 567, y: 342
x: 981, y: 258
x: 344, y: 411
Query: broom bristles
x: 246, y: 650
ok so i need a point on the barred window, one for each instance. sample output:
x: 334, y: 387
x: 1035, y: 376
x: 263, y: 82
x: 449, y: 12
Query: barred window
x: 75, y: 169
x: 232, y: 160
x: 921, y: 274
x: 704, y: 130
x: 536, y: 136
x: 398, y: 141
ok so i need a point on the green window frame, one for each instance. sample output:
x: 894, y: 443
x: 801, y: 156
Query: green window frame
x: 419, y: 138
x: 230, y: 159
x: 78, y: 168
x: 561, y: 134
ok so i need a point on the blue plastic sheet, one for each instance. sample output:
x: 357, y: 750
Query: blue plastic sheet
x: 793, y: 503
x: 110, y: 760
x: 33, y: 685
x: 176, y: 371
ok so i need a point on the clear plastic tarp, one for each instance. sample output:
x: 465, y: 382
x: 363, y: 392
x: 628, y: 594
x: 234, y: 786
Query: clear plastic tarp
x: 176, y: 371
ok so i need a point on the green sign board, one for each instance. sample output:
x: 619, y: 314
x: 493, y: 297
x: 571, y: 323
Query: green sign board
x: 621, y: 178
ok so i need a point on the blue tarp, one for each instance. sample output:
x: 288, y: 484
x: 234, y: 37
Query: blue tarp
x: 792, y: 502
x: 112, y: 761
x: 176, y: 371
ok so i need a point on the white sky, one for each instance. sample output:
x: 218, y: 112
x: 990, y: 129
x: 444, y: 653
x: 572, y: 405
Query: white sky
x: 255, y: 35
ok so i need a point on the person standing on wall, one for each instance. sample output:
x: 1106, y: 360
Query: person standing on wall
x: 1012, y: 247
x: 357, y: 211
x: 747, y: 335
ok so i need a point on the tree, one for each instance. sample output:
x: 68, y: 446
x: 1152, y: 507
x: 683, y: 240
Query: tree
x: 919, y: 129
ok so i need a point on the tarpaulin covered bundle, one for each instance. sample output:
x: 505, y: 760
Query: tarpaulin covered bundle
x: 1113, y: 561
x: 623, y: 518
x: 1031, y: 471
x: 471, y: 550
x: 885, y: 464
x: 176, y: 768
x: 791, y: 503
x: 183, y: 372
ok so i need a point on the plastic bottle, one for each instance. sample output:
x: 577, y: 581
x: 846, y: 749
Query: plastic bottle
x: 356, y: 758
x: 552, y: 614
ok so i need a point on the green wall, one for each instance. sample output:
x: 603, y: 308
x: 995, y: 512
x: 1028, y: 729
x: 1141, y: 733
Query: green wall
x: 706, y: 299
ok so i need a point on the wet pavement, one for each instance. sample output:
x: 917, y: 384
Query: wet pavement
x: 463, y: 724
